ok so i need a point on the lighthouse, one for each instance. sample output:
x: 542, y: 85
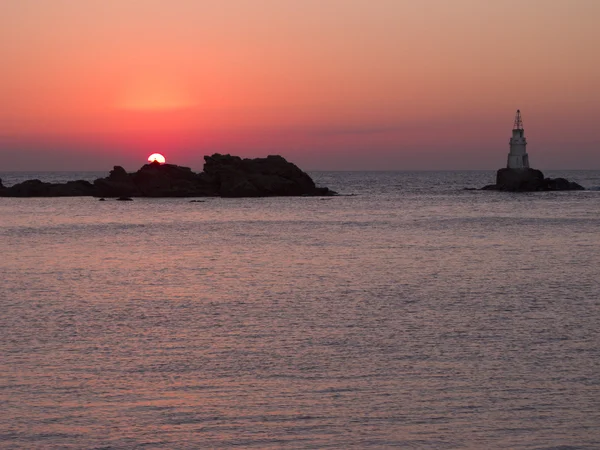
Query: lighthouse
x: 518, y: 176
x: 517, y: 157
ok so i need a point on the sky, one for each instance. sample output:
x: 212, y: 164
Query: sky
x: 328, y: 84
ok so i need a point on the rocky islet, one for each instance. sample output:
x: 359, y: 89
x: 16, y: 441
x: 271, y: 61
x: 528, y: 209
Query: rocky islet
x: 223, y: 176
x: 529, y: 180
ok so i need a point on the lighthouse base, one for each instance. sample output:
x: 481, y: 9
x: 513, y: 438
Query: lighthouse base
x: 520, y: 179
x: 529, y: 180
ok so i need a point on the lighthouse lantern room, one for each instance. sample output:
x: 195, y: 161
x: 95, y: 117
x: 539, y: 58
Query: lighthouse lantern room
x: 517, y: 157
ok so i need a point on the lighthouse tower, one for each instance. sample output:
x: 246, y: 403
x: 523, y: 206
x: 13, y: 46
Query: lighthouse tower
x: 517, y: 157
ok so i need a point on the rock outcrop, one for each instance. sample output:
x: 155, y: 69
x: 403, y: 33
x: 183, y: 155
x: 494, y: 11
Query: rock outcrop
x: 224, y: 176
x: 233, y: 176
x: 37, y: 188
x: 529, y: 180
x: 152, y: 180
x: 562, y: 184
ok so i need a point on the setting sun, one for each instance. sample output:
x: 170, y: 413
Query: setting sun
x: 156, y: 157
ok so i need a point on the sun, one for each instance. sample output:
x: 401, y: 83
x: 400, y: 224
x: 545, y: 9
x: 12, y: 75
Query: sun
x: 157, y: 157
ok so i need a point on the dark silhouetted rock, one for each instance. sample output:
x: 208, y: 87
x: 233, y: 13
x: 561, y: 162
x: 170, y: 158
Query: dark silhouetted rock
x: 233, y: 176
x: 520, y: 179
x: 29, y: 188
x: 224, y: 175
x: 124, y: 199
x: 562, y: 184
x: 529, y: 180
x: 73, y: 189
x: 118, y: 174
x: 153, y: 180
x: 37, y: 188
x: 118, y: 184
x: 169, y: 180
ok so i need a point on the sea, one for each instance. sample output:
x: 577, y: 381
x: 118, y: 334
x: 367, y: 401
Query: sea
x: 409, y: 312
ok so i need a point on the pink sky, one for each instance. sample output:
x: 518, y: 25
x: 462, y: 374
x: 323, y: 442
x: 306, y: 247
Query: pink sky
x: 329, y: 84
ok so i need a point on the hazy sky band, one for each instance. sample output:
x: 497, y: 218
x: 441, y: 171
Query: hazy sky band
x: 329, y: 84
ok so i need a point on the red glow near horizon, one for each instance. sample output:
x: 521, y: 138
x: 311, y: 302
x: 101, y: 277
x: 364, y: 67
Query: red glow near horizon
x: 89, y: 84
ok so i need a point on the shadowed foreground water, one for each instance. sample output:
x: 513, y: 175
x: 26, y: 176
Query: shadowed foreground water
x: 413, y: 315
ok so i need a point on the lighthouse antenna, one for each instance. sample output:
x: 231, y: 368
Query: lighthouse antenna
x: 518, y: 121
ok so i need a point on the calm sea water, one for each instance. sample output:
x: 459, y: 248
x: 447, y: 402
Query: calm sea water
x: 413, y: 314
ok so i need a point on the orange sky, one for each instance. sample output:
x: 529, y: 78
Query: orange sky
x: 329, y: 84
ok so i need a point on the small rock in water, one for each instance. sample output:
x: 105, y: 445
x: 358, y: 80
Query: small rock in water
x: 125, y: 199
x: 102, y: 199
